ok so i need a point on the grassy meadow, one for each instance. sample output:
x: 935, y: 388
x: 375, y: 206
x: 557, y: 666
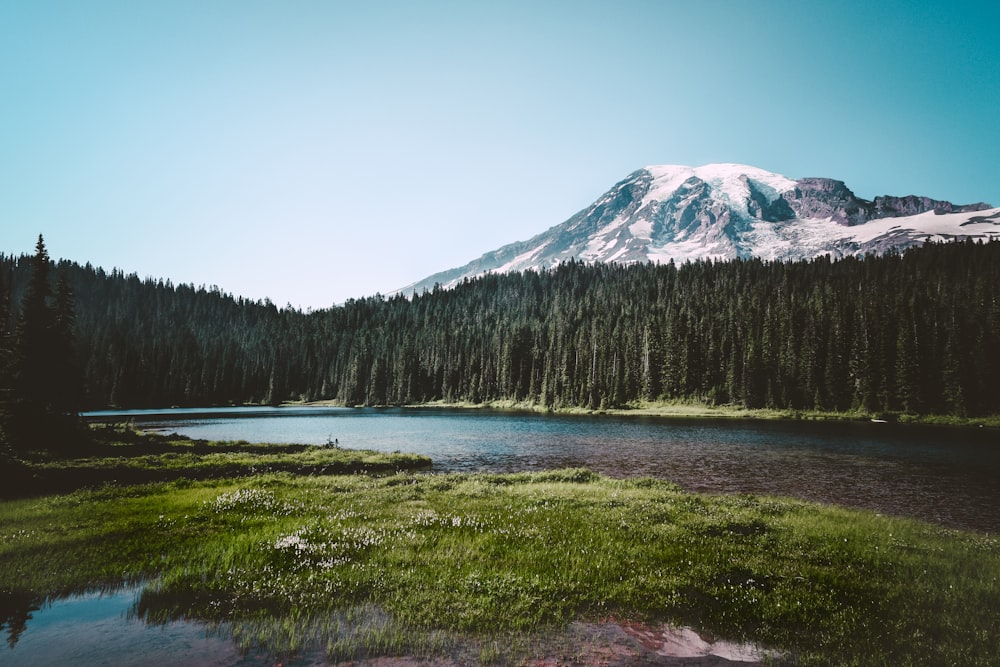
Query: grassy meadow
x: 399, y: 563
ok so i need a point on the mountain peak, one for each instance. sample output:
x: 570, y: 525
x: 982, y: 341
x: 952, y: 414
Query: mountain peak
x: 718, y: 172
x: 668, y: 212
x: 666, y: 175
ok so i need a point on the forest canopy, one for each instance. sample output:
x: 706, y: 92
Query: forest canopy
x: 917, y: 332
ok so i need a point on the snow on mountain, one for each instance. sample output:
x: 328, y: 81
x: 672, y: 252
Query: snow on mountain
x: 676, y: 213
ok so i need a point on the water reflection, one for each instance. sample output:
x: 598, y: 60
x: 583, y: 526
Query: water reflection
x: 101, y: 628
x: 16, y: 609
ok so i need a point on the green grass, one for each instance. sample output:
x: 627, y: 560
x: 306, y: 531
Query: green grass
x: 120, y: 455
x: 420, y: 564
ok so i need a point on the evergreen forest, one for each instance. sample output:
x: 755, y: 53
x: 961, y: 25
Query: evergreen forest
x: 917, y: 332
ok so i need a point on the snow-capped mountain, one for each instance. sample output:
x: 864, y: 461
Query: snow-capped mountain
x: 724, y: 211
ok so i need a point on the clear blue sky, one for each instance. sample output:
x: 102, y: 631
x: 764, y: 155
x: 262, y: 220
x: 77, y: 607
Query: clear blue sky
x: 311, y: 152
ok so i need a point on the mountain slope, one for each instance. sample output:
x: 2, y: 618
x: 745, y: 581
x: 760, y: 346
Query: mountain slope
x: 724, y: 211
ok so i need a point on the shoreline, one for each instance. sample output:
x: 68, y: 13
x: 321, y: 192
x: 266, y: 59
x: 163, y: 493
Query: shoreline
x: 690, y: 411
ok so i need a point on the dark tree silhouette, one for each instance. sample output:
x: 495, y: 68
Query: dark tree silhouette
x: 6, y: 366
x: 42, y: 410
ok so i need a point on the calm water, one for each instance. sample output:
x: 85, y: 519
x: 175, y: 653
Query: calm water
x: 945, y: 475
x: 95, y: 629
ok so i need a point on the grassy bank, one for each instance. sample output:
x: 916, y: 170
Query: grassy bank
x: 121, y: 455
x: 695, y: 410
x: 416, y: 564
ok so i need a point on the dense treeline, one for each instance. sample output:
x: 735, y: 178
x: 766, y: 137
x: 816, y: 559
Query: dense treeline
x: 918, y: 332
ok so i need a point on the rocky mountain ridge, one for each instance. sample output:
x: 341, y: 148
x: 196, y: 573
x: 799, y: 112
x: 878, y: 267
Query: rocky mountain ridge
x: 829, y: 198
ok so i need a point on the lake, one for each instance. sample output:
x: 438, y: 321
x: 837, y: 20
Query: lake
x: 940, y: 474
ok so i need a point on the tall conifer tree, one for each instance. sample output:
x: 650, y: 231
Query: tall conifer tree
x: 45, y: 395
x: 6, y: 370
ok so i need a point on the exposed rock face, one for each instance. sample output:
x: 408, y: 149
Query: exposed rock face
x: 777, y: 210
x: 691, y: 209
x: 895, y: 207
x: 827, y: 198
x: 724, y: 211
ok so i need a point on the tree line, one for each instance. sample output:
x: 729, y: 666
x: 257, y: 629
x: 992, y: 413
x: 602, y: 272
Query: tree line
x: 914, y: 332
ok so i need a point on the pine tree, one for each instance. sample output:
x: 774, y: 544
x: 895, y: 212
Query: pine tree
x: 44, y: 400
x: 67, y: 389
x: 6, y: 370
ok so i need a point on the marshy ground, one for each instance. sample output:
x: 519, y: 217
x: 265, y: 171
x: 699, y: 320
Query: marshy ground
x: 494, y: 568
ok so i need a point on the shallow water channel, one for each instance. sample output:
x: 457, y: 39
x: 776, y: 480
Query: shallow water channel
x: 943, y: 475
